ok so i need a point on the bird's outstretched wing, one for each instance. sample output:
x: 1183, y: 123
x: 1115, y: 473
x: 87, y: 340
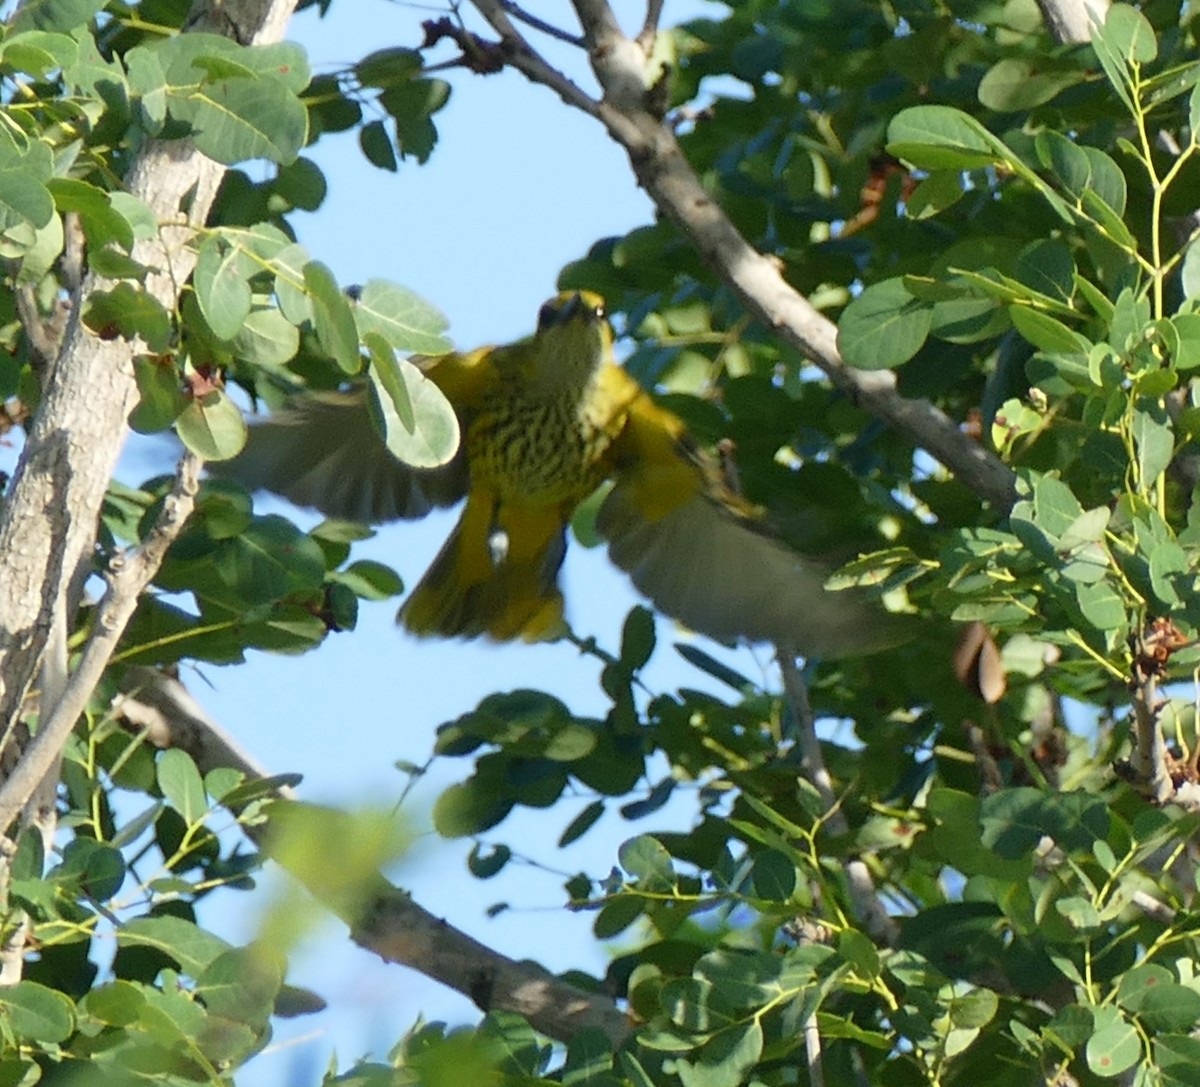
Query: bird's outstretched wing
x: 705, y: 557
x: 323, y: 451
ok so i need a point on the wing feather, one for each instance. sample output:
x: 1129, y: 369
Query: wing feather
x: 705, y: 557
x: 323, y: 451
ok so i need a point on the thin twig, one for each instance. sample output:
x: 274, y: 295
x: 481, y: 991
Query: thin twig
x: 522, y: 56
x: 649, y: 29
x: 549, y: 29
x: 879, y: 923
x: 128, y: 575
x: 1152, y: 649
x: 812, y: 1051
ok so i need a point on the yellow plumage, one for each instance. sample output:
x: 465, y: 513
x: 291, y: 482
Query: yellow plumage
x: 544, y: 422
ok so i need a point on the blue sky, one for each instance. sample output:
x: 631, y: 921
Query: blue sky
x: 518, y: 186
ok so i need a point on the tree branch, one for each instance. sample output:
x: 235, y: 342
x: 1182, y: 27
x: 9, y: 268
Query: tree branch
x: 385, y: 920
x: 514, y: 45
x: 529, y: 19
x: 663, y: 171
x: 49, y: 518
x: 649, y: 30
x: 129, y: 574
x: 1070, y: 21
x: 880, y: 924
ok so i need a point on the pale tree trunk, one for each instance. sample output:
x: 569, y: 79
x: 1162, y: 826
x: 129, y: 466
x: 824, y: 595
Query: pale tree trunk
x: 48, y: 524
x: 50, y: 513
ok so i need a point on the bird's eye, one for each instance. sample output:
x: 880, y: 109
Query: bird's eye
x: 600, y: 313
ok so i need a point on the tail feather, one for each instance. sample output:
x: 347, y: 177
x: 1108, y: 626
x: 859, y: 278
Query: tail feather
x: 479, y: 587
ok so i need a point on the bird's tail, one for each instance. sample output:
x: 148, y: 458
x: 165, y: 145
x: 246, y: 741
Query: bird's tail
x: 496, y: 576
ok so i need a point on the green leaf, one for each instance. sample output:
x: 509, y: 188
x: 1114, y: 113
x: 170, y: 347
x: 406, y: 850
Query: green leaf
x: 1115, y: 65
x: 940, y: 190
x: 1129, y: 32
x: 404, y: 320
x: 469, y: 808
x: 1047, y: 333
x: 695, y: 1004
x: 1056, y: 508
x: 97, y: 868
x: 222, y: 284
x: 332, y: 317
x: 1186, y: 340
x: 773, y: 876
x: 1020, y: 83
x: 36, y: 1013
x: 241, y: 118
x: 709, y: 664
x: 658, y: 796
x: 385, y: 67
x: 290, y: 285
x: 212, y: 427
x: 1065, y: 159
x: 370, y: 580
x: 1088, y: 527
x: 131, y: 312
x: 183, y: 942
x: 241, y: 984
x: 411, y: 104
x: 637, y: 638
x: 377, y: 146
x: 582, y: 823
x: 633, y: 1071
x: 24, y: 196
x: 181, y: 784
x: 1170, y: 1007
x: 60, y: 15
x: 1106, y: 182
x: 745, y: 979
x: 647, y: 860
x: 269, y: 560
x: 39, y: 257
x: 616, y: 915
x: 883, y: 327
x: 1102, y: 606
x: 432, y: 437
x: 858, y: 950
x: 1048, y: 267
x: 148, y: 80
x: 117, y: 1003
x: 266, y: 338
x: 387, y: 371
x: 1108, y: 220
x: 1177, y: 1058
x: 101, y: 222
x: 1114, y: 1046
x: 725, y: 1059
x: 940, y: 137
x: 1078, y: 912
x: 972, y: 1009
x: 589, y: 1060
x: 484, y: 866
x: 1154, y: 441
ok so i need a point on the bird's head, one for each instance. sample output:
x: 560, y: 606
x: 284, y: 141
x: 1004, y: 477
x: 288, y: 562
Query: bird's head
x: 573, y: 338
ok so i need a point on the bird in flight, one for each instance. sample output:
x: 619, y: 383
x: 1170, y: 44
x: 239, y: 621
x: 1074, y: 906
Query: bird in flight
x: 544, y: 422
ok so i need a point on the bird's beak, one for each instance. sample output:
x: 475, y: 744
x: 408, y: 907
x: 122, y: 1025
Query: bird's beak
x: 572, y: 308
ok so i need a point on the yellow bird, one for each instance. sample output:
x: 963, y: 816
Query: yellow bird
x: 544, y: 422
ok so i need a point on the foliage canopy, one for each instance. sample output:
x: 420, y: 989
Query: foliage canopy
x: 953, y: 886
